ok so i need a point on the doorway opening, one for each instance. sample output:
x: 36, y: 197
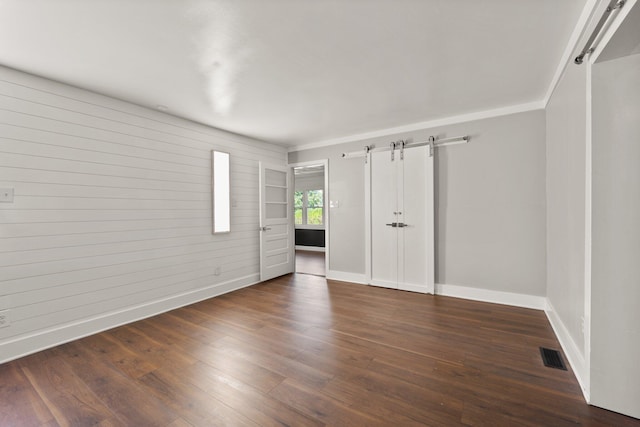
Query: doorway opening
x: 311, y: 218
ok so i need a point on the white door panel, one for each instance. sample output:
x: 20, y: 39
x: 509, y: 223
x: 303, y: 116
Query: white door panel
x: 416, y: 238
x: 384, y: 262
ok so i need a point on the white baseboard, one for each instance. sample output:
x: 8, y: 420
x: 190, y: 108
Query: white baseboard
x: 571, y: 350
x: 497, y: 297
x: 41, y: 340
x: 465, y: 292
x: 345, y: 276
x: 310, y: 248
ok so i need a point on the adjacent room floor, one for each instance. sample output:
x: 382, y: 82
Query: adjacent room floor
x: 301, y: 351
x: 310, y: 262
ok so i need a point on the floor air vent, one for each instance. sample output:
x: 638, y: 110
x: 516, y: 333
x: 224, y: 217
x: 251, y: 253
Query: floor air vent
x: 552, y: 358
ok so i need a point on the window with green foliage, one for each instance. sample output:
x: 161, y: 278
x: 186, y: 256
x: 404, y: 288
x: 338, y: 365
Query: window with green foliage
x: 298, y: 205
x: 309, y: 207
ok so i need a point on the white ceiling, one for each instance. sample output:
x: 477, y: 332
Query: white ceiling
x: 296, y: 71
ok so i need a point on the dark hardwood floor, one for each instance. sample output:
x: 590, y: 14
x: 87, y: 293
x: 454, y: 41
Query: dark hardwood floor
x: 310, y: 262
x: 299, y: 351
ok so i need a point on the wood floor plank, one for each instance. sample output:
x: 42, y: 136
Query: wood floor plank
x: 269, y: 359
x: 127, y: 361
x: 153, y: 351
x: 195, y: 405
x: 123, y: 396
x: 391, y: 409
x: 255, y: 405
x: 180, y: 422
x: 376, y: 350
x: 179, y: 327
x: 68, y: 398
x: 20, y: 404
x: 303, y: 351
x: 429, y: 404
x: 322, y: 407
x: 529, y: 371
x: 243, y: 367
x: 186, y: 341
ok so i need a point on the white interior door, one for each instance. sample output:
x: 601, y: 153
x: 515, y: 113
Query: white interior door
x: 276, y: 222
x: 401, y: 220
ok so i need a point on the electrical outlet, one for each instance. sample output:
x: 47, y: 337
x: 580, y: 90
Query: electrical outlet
x: 216, y: 272
x: 4, y: 319
x: 6, y: 195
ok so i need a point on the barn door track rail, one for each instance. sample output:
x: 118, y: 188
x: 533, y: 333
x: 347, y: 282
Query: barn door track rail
x: 402, y: 144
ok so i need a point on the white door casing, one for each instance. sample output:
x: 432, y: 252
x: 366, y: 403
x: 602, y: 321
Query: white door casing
x: 276, y: 222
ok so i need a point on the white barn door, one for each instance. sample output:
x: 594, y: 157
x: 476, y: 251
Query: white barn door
x: 400, y: 219
x: 276, y: 222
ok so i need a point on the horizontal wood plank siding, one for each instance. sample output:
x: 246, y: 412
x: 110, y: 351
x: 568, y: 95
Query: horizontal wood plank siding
x: 112, y: 206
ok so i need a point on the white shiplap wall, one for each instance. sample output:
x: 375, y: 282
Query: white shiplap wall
x: 111, y: 220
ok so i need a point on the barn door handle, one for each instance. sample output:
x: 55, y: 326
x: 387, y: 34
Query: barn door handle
x: 265, y: 228
x: 402, y: 224
x: 393, y: 224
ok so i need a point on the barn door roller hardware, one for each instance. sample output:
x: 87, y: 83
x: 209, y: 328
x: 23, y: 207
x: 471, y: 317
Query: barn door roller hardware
x: 588, y: 47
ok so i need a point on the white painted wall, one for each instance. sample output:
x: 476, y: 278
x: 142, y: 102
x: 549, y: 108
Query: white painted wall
x: 490, y: 204
x: 615, y: 287
x: 112, y: 213
x: 566, y: 206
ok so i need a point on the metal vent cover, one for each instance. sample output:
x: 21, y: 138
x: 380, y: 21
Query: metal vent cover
x: 552, y: 358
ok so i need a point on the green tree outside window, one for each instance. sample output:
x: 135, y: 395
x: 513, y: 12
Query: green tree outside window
x: 298, y: 204
x: 309, y: 207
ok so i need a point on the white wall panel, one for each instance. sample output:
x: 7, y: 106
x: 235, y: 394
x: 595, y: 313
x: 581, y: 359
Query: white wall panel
x: 111, y: 219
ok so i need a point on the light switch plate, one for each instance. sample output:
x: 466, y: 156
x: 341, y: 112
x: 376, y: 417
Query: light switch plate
x: 6, y: 195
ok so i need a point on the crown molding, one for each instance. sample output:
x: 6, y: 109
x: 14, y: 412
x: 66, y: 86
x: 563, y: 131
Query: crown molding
x: 479, y: 115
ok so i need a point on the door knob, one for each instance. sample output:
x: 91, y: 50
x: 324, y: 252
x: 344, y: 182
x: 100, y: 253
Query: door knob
x: 393, y: 224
